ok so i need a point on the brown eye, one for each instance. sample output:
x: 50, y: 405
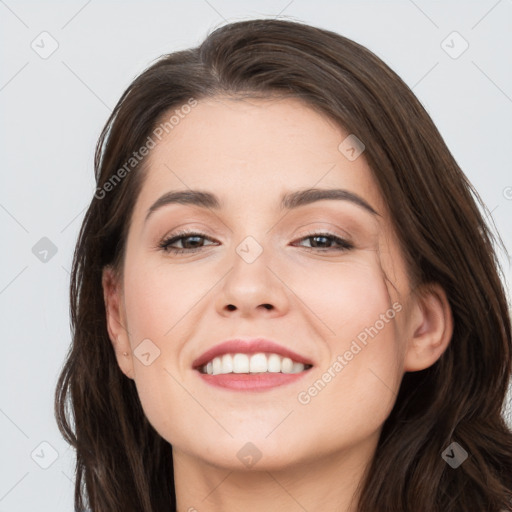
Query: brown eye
x: 324, y: 242
x: 190, y: 242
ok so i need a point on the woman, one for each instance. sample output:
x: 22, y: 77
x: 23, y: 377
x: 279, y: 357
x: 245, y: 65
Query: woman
x: 284, y: 296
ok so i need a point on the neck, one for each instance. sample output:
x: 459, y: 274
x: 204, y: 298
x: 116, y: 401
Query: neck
x: 326, y: 483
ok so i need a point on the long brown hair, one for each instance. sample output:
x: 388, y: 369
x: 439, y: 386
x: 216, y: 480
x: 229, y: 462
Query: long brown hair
x: 122, y: 462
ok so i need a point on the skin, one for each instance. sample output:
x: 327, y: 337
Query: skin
x: 250, y: 152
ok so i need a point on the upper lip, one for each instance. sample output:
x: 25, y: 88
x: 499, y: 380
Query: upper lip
x: 248, y: 346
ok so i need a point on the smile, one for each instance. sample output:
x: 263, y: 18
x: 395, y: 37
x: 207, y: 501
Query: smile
x: 250, y: 364
x: 240, y: 363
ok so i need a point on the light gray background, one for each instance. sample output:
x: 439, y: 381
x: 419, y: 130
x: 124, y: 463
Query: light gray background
x: 53, y: 109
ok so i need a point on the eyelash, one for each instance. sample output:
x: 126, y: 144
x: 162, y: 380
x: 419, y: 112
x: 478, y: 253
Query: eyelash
x: 164, y: 245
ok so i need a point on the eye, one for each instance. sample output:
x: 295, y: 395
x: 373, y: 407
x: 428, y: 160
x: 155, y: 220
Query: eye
x: 194, y: 241
x: 322, y: 242
x: 190, y: 241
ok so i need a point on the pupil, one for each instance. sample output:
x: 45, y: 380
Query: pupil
x: 196, y: 238
x: 316, y: 237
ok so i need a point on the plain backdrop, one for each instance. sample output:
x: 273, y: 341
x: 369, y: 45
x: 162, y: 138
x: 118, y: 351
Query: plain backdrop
x: 63, y: 67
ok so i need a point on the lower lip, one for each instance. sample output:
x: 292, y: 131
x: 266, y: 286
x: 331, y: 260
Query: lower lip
x: 251, y: 382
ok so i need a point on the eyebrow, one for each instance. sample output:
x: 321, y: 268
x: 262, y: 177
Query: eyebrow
x: 289, y: 201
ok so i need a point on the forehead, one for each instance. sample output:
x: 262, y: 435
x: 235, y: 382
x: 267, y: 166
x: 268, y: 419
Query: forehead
x: 254, y: 150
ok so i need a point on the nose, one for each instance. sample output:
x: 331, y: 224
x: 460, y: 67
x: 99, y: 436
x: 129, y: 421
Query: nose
x: 253, y: 289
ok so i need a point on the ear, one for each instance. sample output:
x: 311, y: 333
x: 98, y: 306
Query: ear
x: 430, y: 327
x: 116, y: 320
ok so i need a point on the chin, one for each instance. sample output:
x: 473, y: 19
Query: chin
x: 243, y: 453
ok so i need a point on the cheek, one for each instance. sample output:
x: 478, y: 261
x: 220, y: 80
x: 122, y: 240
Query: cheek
x: 163, y: 307
x: 356, y: 386
x: 159, y: 299
x: 349, y: 399
x: 346, y: 295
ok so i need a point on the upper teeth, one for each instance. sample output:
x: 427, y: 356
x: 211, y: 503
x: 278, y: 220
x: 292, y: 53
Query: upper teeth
x: 252, y: 363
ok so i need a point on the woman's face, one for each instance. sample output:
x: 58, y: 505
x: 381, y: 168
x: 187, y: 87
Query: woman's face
x: 263, y: 269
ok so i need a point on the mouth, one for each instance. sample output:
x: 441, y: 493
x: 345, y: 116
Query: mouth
x: 260, y: 362
x: 250, y: 365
